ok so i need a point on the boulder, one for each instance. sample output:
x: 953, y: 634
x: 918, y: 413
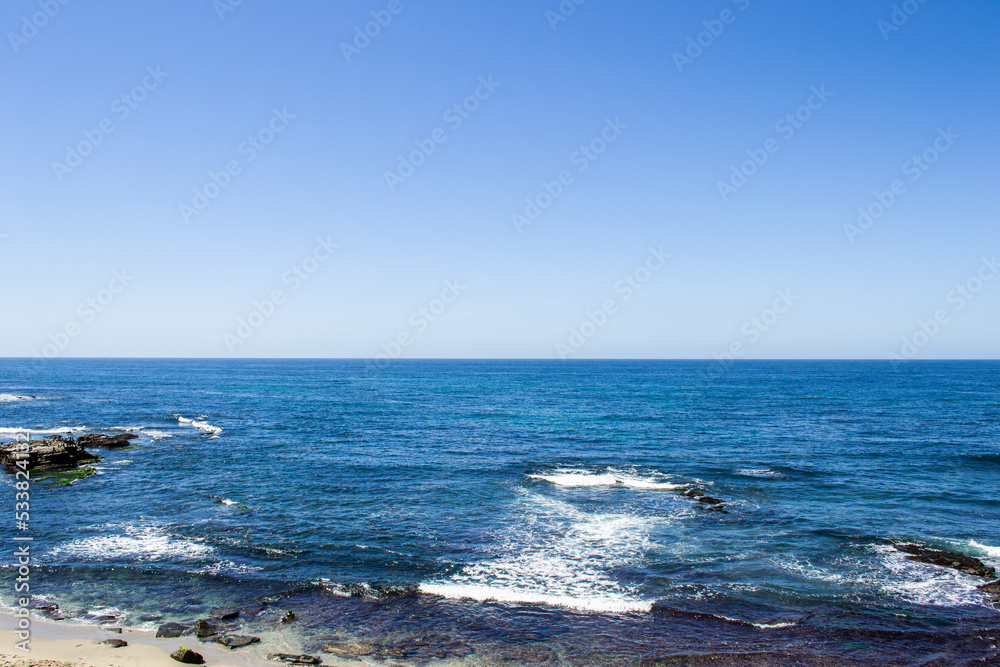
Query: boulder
x: 237, y: 641
x: 204, y: 628
x: 114, y: 643
x: 187, y: 656
x: 955, y: 561
x: 292, y: 659
x: 101, y: 440
x: 52, y: 453
x: 710, y: 500
x: 171, y: 630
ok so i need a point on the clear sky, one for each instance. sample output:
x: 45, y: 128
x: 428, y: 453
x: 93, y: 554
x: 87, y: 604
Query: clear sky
x: 622, y: 122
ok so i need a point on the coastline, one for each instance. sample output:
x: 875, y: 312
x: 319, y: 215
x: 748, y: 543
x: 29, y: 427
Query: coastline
x: 67, y: 644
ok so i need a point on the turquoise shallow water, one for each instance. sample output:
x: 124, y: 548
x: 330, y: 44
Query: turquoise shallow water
x: 528, y: 511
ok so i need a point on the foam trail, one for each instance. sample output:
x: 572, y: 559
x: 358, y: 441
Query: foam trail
x: 11, y: 398
x: 201, y: 425
x: 581, y: 478
x: 42, y: 431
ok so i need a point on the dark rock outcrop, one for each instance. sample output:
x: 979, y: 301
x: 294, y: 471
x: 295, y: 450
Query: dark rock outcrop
x: 237, y: 641
x: 101, y: 440
x: 292, y: 659
x: 187, y: 656
x: 115, y: 643
x: 955, y: 561
x: 171, y: 630
x: 992, y: 587
x: 52, y: 453
x: 224, y: 613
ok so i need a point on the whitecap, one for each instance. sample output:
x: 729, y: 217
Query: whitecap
x: 991, y: 552
x: 758, y: 472
x: 558, y: 555
x: 227, y: 567
x: 42, y: 431
x: 201, y: 425
x: 581, y: 478
x: 141, y: 543
x: 11, y: 398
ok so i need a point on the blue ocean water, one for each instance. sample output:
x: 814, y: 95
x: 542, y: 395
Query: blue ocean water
x: 513, y: 512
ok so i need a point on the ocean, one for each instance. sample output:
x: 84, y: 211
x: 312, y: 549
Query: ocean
x: 527, y: 512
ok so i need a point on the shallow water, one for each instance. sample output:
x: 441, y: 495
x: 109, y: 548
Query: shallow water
x: 531, y: 511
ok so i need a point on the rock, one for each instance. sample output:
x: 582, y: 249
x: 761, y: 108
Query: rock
x: 960, y: 562
x: 224, y: 613
x: 114, y: 643
x: 236, y: 641
x: 992, y: 587
x: 101, y: 440
x: 710, y: 500
x: 348, y: 649
x: 292, y: 659
x: 187, y: 656
x: 171, y: 630
x: 691, y: 493
x: 52, y: 453
x: 149, y: 618
x: 204, y: 628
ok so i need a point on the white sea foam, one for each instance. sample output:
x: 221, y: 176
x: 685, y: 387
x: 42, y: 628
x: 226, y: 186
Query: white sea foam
x: 613, y: 477
x: 758, y: 472
x: 201, y: 425
x: 921, y: 583
x: 142, y: 543
x: 227, y: 567
x: 558, y: 555
x: 143, y: 430
x: 42, y: 431
x: 991, y: 552
x: 11, y: 398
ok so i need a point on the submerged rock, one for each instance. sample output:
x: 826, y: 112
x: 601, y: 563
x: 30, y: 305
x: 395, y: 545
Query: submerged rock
x: 224, y: 613
x: 292, y: 659
x: 237, y: 641
x: 187, y: 656
x: 53, y: 453
x: 348, y: 649
x: 955, y: 561
x: 102, y: 440
x: 114, y: 643
x: 171, y: 630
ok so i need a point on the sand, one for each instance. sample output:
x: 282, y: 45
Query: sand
x: 67, y: 644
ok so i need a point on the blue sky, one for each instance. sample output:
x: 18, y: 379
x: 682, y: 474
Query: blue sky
x: 209, y: 85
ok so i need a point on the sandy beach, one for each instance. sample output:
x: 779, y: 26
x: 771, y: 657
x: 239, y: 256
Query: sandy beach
x: 75, y: 645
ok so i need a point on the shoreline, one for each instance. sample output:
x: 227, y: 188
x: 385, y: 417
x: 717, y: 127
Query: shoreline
x: 68, y: 644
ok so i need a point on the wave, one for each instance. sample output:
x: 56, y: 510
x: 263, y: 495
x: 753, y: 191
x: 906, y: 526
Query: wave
x: 11, y: 398
x: 990, y: 552
x: 577, y: 478
x: 558, y: 555
x: 139, y: 543
x: 42, y: 431
x: 201, y: 425
x: 147, y: 431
